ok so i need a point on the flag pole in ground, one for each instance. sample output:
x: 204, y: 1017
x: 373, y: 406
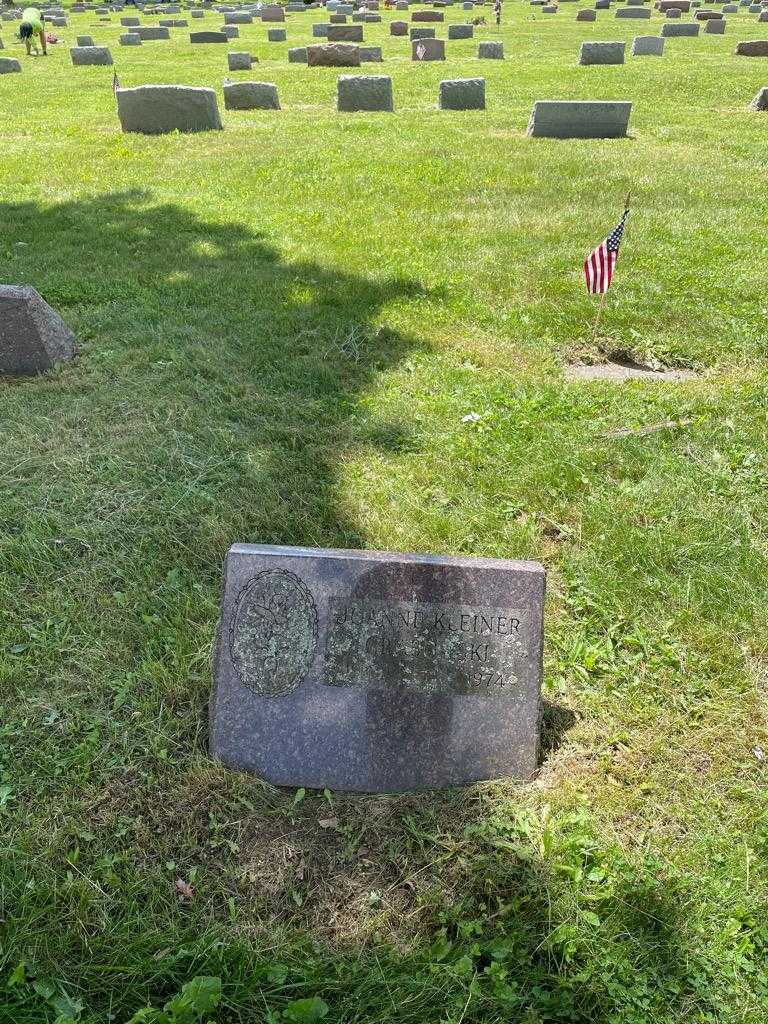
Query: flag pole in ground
x: 600, y: 264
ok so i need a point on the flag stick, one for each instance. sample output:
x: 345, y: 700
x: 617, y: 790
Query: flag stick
x: 597, y: 318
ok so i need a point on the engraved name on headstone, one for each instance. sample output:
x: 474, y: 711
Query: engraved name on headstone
x: 374, y: 671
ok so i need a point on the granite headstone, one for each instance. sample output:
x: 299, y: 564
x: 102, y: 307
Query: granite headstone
x: 368, y: 671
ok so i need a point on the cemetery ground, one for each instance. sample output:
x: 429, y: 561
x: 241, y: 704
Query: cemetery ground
x: 352, y: 331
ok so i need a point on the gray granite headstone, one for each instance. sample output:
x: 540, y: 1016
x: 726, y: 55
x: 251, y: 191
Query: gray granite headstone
x: 428, y: 49
x: 334, y: 55
x: 82, y: 55
x: 358, y: 670
x: 364, y: 92
x: 130, y: 39
x: 345, y: 33
x: 398, y: 28
x: 580, y: 119
x: 422, y: 33
x: 32, y: 335
x: 460, y: 31
x: 208, y: 37
x: 462, y: 94
x: 760, y: 102
x: 238, y: 60
x: 490, y: 50
x: 752, y: 48
x: 251, y: 96
x: 157, y: 109
x: 684, y: 28
x: 602, y: 53
x: 647, y: 46
x: 716, y: 27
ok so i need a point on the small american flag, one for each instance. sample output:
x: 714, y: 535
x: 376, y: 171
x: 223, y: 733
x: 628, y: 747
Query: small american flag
x: 115, y: 83
x: 600, y: 264
x: 420, y: 51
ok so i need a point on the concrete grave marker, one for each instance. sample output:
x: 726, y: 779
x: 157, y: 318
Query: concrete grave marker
x: 363, y: 92
x: 157, y: 109
x: 357, y: 670
x: 33, y: 337
x: 580, y: 119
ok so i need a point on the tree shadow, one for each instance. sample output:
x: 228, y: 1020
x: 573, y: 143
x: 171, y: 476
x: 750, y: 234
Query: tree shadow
x: 203, y: 324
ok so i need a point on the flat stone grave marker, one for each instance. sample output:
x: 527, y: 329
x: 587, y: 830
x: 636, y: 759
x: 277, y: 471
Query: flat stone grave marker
x: 364, y: 92
x: 580, y: 119
x: 378, y: 672
x: 33, y: 337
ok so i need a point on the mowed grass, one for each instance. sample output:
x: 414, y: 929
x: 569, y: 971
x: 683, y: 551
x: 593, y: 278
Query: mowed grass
x: 283, y: 328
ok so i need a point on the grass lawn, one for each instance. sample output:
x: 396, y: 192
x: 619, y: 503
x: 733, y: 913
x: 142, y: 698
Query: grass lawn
x: 282, y: 329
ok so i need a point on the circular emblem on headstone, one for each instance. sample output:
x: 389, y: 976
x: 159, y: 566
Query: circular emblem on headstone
x: 273, y: 633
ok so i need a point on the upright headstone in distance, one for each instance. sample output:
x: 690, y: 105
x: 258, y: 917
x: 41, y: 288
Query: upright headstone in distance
x: 359, y: 670
x: 33, y: 337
